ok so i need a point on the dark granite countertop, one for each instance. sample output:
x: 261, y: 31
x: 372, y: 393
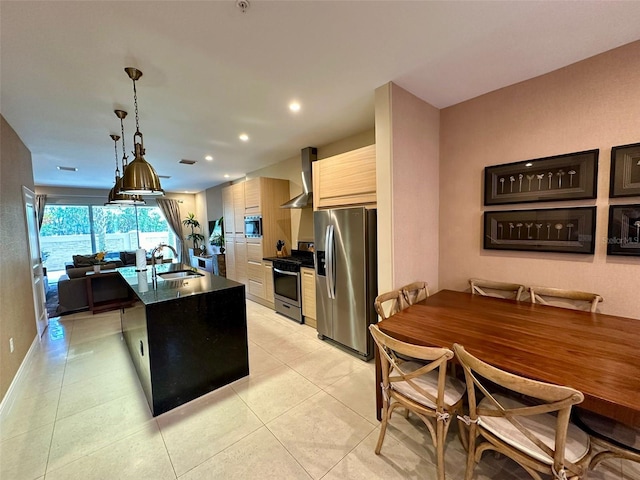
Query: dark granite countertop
x: 140, y: 283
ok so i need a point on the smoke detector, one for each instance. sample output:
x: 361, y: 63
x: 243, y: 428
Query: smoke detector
x: 243, y: 5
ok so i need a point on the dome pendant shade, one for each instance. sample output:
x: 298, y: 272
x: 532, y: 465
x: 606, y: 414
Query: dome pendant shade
x: 116, y: 198
x: 140, y: 178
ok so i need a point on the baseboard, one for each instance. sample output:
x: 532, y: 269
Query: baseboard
x: 7, y: 400
x: 261, y: 301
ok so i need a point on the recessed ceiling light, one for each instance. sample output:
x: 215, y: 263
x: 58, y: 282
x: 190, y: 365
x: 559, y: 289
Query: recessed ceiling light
x: 67, y: 169
x: 244, y: 137
x: 226, y: 176
x: 208, y: 158
x: 528, y: 164
x: 294, y: 106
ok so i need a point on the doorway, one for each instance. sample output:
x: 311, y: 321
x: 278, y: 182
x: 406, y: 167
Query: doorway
x: 37, y: 274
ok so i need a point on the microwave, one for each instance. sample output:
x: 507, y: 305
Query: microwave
x: 253, y: 226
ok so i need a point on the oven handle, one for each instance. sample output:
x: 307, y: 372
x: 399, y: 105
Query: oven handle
x: 293, y: 274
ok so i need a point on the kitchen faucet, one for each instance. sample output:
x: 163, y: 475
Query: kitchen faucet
x: 154, y: 274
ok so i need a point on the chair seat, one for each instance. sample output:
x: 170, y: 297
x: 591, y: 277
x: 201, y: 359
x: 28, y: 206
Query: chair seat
x: 454, y: 389
x: 618, y: 433
x: 542, y: 426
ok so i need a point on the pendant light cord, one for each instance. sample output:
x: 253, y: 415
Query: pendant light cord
x: 124, y: 151
x: 115, y: 150
x: 135, y: 103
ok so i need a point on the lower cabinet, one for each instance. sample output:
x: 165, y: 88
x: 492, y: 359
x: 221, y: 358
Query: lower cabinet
x: 268, y: 281
x: 309, y: 296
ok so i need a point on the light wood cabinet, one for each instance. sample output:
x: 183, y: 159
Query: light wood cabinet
x: 268, y: 281
x: 258, y: 196
x: 238, y: 208
x: 252, y: 190
x: 230, y: 252
x: 309, y: 296
x: 228, y: 212
x: 241, y: 260
x: 346, y: 179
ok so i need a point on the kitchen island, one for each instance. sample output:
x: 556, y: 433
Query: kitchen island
x: 187, y: 336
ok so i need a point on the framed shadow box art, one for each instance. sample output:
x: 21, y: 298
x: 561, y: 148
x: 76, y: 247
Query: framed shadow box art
x: 568, y: 230
x: 563, y: 177
x: 625, y: 171
x: 624, y: 230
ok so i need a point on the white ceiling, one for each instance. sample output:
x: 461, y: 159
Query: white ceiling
x: 212, y: 72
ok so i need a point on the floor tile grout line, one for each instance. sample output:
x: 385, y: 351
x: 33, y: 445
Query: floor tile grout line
x: 166, y: 449
x: 289, y: 452
x: 55, y: 420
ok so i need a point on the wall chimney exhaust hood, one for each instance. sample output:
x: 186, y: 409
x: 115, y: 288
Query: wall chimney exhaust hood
x: 305, y: 199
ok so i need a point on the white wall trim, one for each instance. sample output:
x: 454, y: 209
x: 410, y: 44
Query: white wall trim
x: 7, y: 401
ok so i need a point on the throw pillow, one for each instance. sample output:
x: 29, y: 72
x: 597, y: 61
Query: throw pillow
x: 83, y: 260
x: 128, y: 258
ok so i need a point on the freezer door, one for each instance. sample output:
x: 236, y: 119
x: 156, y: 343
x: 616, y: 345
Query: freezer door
x: 324, y: 304
x: 350, y: 312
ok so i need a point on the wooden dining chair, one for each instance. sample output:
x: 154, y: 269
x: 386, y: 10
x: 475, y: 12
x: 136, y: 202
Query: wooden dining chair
x: 572, y: 299
x: 537, y: 434
x: 614, y: 439
x: 489, y: 288
x: 421, y: 386
x: 415, y: 292
x: 389, y: 303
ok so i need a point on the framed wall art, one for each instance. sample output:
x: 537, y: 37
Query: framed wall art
x: 568, y: 230
x: 625, y: 171
x: 624, y: 230
x: 572, y: 176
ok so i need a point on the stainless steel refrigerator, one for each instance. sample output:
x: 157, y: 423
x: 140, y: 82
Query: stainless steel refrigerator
x: 346, y: 276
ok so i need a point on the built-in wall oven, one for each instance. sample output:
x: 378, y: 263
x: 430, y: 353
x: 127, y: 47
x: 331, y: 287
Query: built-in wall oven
x: 287, y: 287
x: 253, y: 226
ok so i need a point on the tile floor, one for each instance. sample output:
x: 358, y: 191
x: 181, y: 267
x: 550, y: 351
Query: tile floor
x: 305, y: 412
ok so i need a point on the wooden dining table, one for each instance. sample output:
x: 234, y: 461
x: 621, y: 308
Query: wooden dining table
x: 595, y: 353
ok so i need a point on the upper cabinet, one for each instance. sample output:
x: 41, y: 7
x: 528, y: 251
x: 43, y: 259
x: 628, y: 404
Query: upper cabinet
x: 252, y: 203
x: 228, y: 213
x: 346, y: 179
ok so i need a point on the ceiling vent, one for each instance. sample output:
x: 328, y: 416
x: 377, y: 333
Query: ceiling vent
x: 164, y: 176
x: 187, y: 162
x: 68, y: 169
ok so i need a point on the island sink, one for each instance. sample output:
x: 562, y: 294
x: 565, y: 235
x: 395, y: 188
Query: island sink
x: 180, y: 275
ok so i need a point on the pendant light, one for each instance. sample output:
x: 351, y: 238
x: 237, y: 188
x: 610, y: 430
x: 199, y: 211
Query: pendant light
x: 116, y: 198
x: 139, y: 178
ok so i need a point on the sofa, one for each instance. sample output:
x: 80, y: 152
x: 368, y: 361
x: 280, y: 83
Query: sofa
x: 72, y: 288
x: 119, y: 259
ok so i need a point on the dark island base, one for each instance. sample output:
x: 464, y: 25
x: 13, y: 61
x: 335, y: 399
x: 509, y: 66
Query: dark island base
x: 198, y: 344
x: 187, y: 338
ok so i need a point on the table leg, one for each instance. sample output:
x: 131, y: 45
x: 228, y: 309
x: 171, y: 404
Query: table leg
x: 378, y: 390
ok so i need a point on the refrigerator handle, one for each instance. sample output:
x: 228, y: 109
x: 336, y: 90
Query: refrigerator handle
x: 329, y: 262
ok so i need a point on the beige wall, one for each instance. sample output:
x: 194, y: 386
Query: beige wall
x: 591, y: 104
x: 17, y: 314
x: 407, y: 164
x: 415, y: 165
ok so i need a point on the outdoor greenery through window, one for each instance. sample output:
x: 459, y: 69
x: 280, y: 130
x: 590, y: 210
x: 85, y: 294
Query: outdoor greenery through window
x: 69, y: 230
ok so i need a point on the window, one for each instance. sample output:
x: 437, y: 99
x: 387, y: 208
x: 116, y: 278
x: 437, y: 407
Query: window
x: 69, y: 230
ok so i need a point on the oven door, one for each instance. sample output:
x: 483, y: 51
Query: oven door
x: 286, y: 286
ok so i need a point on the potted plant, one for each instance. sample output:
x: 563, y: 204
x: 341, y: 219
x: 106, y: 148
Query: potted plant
x: 196, y: 238
x: 217, y: 235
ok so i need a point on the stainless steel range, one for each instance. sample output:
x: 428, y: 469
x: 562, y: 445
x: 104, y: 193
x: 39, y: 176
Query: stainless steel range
x: 287, y: 283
